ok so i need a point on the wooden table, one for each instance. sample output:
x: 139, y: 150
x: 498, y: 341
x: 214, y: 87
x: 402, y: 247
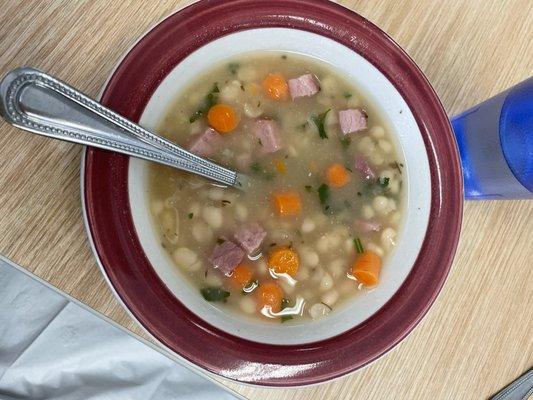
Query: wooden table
x: 479, y: 334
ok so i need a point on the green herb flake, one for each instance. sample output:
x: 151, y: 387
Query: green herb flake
x: 308, y: 188
x: 215, y: 294
x: 383, y: 181
x: 260, y: 142
x: 220, y: 241
x: 242, y: 88
x: 233, y: 68
x: 191, y: 215
x: 255, y: 167
x: 358, y: 246
x: 319, y: 121
x: 197, y: 115
x: 284, y: 56
x: 346, y: 95
x: 345, y: 142
x: 284, y: 304
x: 323, y: 193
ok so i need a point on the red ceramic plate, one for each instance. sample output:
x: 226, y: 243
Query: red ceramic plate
x: 123, y: 261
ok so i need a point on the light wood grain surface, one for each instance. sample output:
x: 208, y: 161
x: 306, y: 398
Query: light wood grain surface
x: 479, y: 334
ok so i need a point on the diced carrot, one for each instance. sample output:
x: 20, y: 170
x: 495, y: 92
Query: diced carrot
x: 242, y: 275
x: 337, y: 175
x: 280, y: 166
x: 284, y: 260
x: 366, y: 268
x: 275, y: 86
x: 222, y: 118
x: 287, y: 203
x: 269, y: 294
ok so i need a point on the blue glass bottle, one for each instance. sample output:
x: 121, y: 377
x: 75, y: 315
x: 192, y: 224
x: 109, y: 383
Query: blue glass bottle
x: 495, y: 140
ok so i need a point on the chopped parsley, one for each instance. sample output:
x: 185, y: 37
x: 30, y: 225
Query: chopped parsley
x: 215, y: 294
x: 209, y: 101
x: 346, y: 95
x: 345, y: 142
x: 191, y: 215
x: 323, y: 193
x: 358, y: 246
x: 220, y: 241
x: 308, y: 188
x: 383, y: 181
x: 233, y: 68
x: 319, y: 121
x: 284, y: 304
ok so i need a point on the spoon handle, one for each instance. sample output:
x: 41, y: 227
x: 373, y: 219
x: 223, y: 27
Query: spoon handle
x: 37, y: 102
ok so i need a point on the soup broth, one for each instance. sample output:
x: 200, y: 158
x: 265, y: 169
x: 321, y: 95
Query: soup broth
x: 321, y: 215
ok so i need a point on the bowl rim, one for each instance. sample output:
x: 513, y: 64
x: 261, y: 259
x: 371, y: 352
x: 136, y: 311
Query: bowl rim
x: 148, y: 300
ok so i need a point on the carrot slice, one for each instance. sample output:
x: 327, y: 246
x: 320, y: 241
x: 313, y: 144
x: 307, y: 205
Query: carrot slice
x: 222, y: 118
x: 269, y: 294
x: 242, y: 275
x: 284, y: 260
x: 275, y: 86
x: 366, y: 268
x: 287, y: 203
x: 337, y: 175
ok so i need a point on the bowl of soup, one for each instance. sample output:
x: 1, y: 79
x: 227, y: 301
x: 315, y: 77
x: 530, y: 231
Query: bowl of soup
x: 346, y: 229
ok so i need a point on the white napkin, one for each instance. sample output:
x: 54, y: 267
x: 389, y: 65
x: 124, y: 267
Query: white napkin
x: 53, y: 347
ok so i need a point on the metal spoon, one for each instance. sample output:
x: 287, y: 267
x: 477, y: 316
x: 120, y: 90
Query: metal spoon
x: 37, y: 102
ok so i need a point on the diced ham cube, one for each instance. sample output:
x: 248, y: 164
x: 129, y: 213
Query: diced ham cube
x: 266, y: 132
x: 352, y: 120
x: 206, y: 143
x: 250, y: 237
x: 226, y: 256
x: 305, y: 85
x: 363, y: 226
x: 362, y: 166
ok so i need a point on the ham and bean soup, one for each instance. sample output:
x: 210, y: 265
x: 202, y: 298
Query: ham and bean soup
x: 325, y: 202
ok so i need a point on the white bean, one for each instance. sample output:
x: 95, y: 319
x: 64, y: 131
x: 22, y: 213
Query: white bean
x: 195, y: 128
x: 213, y: 216
x: 376, y: 158
x: 367, y: 212
x: 166, y: 220
x: 381, y: 205
x: 202, y: 232
x: 388, y: 238
x: 329, y: 85
x: 320, y: 219
x: 334, y: 240
x: 247, y: 304
x: 308, y: 225
x: 318, y: 310
x: 303, y: 273
x: 394, y: 186
x: 309, y: 257
x: 157, y: 206
x: 213, y: 279
x: 378, y: 132
x: 184, y: 257
x: 247, y: 74
x: 385, y: 145
x: 336, y: 267
x: 253, y: 109
x: 322, y: 244
x: 231, y: 92
x: 332, y: 118
x: 374, y: 248
x: 241, y: 212
x: 326, y: 283
x: 197, y: 266
x: 317, y: 275
x: 216, y: 193
x: 367, y: 146
x: 330, y: 297
x: 395, y: 218
x: 349, y: 246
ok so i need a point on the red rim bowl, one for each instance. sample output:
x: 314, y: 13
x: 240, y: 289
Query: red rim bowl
x: 117, y: 248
